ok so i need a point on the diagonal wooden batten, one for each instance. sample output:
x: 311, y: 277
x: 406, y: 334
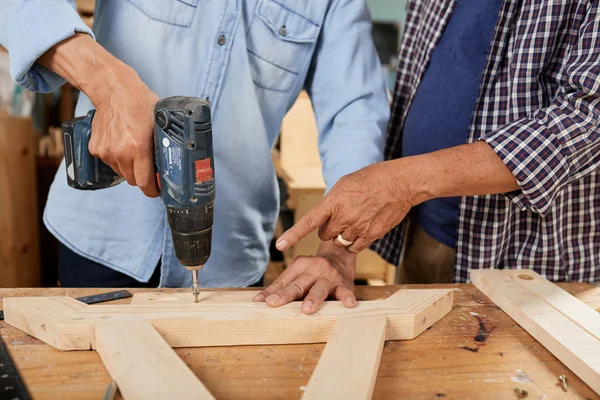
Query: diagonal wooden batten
x: 571, y: 307
x: 568, y: 341
x: 144, y: 365
x: 226, y: 324
x: 349, y: 364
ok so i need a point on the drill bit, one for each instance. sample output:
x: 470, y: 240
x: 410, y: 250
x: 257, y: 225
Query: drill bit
x: 195, y: 289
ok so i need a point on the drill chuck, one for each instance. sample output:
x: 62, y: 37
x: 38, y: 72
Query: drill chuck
x: 191, y: 229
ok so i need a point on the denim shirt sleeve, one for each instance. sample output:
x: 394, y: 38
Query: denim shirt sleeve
x: 28, y: 29
x: 347, y: 88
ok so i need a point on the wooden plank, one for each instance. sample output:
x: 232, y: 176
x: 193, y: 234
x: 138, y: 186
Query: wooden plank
x: 298, y: 139
x: 574, y: 346
x: 572, y: 308
x: 41, y: 317
x: 233, y: 296
x: 349, y: 364
x: 144, y: 365
x: 19, y: 218
x: 245, y: 323
x: 305, y: 178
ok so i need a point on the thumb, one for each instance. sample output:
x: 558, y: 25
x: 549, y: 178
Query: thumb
x: 308, y: 223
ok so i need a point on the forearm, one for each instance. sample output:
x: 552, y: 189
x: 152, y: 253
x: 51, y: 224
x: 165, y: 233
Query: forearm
x: 467, y: 170
x: 86, y: 65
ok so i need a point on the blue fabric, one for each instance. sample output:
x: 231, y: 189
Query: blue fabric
x: 440, y: 114
x: 77, y: 271
x: 251, y: 78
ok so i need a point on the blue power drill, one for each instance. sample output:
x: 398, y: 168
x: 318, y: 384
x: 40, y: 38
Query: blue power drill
x: 183, y: 159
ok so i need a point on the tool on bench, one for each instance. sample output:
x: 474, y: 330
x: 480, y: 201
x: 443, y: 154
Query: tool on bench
x: 183, y: 159
x: 11, y: 384
x: 96, y: 298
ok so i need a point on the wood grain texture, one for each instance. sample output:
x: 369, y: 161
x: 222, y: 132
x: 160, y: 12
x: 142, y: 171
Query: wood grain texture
x: 42, y: 317
x: 144, y: 365
x: 298, y: 140
x: 349, y: 364
x: 19, y: 218
x: 151, y: 298
x: 435, y: 365
x: 574, y: 346
x: 572, y: 308
x: 409, y: 312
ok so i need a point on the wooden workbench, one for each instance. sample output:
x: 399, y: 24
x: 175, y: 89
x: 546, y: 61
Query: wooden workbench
x: 475, y: 352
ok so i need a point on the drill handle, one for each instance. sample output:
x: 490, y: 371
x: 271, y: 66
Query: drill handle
x: 84, y: 171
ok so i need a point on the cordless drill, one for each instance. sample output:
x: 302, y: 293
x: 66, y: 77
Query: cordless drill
x: 183, y: 159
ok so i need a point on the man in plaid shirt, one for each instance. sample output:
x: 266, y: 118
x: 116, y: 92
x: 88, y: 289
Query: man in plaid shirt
x: 524, y: 172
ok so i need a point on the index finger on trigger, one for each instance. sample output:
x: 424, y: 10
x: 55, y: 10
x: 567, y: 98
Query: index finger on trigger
x: 308, y: 223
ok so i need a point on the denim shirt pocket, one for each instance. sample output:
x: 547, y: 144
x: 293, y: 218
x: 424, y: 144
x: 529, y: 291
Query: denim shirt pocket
x: 174, y: 12
x: 279, y: 42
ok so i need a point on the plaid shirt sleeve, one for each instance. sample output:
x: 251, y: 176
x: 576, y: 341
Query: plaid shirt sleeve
x: 557, y: 144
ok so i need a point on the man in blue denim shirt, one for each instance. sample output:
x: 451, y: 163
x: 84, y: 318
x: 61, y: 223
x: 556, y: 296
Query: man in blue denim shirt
x: 250, y: 58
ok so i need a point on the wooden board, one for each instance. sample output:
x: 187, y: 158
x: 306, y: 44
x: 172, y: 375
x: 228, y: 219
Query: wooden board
x: 149, y: 298
x: 349, y: 364
x: 144, y: 365
x: 444, y: 362
x: 558, y: 329
x: 409, y: 313
x: 298, y: 140
x: 574, y: 309
x: 19, y: 218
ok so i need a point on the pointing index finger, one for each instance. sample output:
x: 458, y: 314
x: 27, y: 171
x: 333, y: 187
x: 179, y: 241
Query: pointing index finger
x: 308, y: 223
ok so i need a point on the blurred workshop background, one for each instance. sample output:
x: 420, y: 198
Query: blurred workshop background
x: 31, y: 150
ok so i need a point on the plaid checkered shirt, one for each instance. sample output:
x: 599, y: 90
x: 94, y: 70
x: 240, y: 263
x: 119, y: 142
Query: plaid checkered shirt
x: 539, y: 109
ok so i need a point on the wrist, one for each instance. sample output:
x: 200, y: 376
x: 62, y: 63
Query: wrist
x: 87, y: 66
x: 413, y: 179
x: 105, y: 76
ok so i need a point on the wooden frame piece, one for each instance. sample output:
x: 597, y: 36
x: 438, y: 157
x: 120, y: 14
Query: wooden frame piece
x: 144, y: 365
x: 567, y: 327
x: 68, y: 324
x: 134, y: 340
x: 355, y: 347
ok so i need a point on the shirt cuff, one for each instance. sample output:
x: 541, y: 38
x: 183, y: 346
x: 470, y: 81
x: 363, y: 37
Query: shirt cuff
x: 534, y: 155
x: 30, y: 30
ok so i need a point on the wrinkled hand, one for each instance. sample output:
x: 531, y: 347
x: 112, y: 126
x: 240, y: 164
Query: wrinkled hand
x: 329, y: 274
x: 123, y: 129
x: 362, y: 207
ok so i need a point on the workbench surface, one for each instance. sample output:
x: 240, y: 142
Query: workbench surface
x: 475, y: 352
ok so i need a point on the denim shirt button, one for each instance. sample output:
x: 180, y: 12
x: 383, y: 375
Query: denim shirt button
x: 222, y: 40
x: 283, y: 31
